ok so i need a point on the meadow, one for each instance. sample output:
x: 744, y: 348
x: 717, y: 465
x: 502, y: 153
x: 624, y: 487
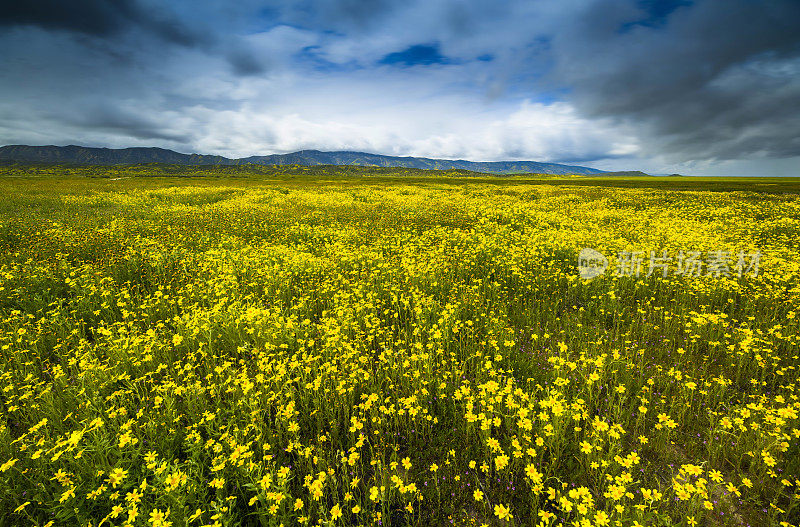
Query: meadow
x: 362, y: 347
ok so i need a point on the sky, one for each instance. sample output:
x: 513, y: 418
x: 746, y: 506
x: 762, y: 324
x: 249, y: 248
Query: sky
x: 707, y: 87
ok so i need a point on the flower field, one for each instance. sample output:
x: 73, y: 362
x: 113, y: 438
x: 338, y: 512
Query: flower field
x: 224, y: 352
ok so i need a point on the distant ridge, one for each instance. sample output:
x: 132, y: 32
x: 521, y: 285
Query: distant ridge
x: 626, y: 173
x: 81, y: 155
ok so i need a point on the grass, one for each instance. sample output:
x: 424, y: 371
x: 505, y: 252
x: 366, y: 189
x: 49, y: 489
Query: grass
x: 358, y: 175
x: 360, y: 346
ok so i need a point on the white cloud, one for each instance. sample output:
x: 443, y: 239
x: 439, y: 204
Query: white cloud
x: 392, y: 117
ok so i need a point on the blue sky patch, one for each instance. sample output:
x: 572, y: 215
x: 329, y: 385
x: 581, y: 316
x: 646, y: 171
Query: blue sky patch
x: 657, y: 11
x: 420, y: 54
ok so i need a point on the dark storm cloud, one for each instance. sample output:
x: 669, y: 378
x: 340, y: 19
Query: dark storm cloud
x: 245, y: 63
x: 715, y: 79
x: 100, y: 18
x: 133, y: 31
x: 111, y: 118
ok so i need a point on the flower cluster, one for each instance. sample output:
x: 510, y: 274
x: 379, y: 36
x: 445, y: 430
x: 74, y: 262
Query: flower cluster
x: 228, y: 352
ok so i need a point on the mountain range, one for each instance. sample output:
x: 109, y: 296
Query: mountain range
x: 81, y: 155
